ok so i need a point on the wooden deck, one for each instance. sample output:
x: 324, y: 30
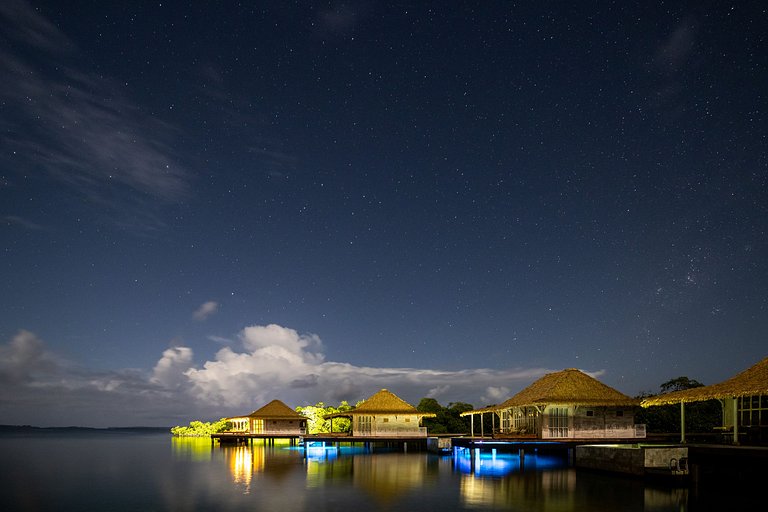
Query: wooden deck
x: 247, y: 437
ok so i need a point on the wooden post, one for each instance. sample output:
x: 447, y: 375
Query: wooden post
x: 682, y: 422
x: 482, y: 433
x: 472, y: 425
x: 735, y: 420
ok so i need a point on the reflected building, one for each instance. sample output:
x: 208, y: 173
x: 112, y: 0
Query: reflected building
x: 552, y: 489
x: 388, y: 477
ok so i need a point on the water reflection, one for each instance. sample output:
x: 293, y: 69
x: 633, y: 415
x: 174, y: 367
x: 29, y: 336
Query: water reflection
x: 191, y: 448
x: 107, y: 472
x: 491, y: 463
x: 388, y: 477
x: 241, y: 464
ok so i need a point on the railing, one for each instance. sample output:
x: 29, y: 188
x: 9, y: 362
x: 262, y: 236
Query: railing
x: 619, y: 432
x: 382, y: 432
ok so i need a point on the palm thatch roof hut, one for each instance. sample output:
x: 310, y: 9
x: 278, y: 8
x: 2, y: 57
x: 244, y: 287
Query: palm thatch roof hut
x: 276, y: 410
x: 752, y: 381
x: 570, y: 386
x: 385, y: 414
x: 744, y: 398
x: 274, y: 418
x: 571, y: 403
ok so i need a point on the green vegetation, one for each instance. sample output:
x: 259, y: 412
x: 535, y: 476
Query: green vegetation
x: 700, y: 417
x: 447, y: 420
x: 316, y: 424
x: 201, y: 429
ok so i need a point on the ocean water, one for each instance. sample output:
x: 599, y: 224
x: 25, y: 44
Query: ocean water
x: 141, y: 471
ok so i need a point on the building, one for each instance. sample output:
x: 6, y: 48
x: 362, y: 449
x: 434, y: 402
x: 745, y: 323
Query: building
x: 274, y: 419
x: 385, y: 415
x: 744, y: 398
x: 564, y: 405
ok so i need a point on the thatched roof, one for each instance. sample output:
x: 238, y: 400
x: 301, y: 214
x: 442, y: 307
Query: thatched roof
x: 569, y: 386
x: 276, y: 410
x: 383, y: 402
x: 752, y: 381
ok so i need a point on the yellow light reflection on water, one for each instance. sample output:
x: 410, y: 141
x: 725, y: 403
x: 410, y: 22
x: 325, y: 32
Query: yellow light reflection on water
x: 241, y: 465
x: 191, y: 448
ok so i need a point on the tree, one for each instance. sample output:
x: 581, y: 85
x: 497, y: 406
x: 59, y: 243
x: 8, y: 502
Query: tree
x: 699, y: 416
x: 317, y: 424
x: 198, y: 428
x: 680, y: 384
x: 447, y: 419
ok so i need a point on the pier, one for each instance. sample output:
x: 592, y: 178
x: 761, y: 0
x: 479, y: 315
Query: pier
x: 400, y: 442
x: 248, y: 438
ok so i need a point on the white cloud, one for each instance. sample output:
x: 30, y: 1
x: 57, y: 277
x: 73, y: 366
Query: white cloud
x: 169, y: 370
x: 265, y: 363
x: 23, y: 357
x: 205, y: 310
x: 495, y: 394
x: 279, y: 362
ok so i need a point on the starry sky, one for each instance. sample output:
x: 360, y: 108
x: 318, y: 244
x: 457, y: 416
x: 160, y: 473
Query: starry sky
x: 206, y: 207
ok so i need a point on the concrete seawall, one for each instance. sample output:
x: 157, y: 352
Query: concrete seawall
x: 635, y: 459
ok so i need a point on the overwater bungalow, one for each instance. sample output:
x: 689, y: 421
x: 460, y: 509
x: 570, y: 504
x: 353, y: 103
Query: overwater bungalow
x: 744, y: 399
x: 385, y: 415
x: 274, y: 419
x: 565, y: 405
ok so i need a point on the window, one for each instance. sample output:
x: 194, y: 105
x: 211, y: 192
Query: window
x: 364, y: 424
x: 407, y: 420
x: 505, y: 420
x: 558, y: 422
x: 753, y: 410
x: 619, y: 413
x: 590, y: 414
x: 386, y: 420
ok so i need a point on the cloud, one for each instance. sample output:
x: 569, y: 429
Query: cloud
x: 23, y: 357
x: 678, y: 47
x: 13, y: 220
x: 264, y: 363
x: 496, y: 394
x: 169, y: 370
x: 39, y: 388
x: 79, y: 127
x: 205, y: 310
x: 277, y: 361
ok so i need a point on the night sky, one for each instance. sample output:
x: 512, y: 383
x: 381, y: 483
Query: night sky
x: 203, y: 208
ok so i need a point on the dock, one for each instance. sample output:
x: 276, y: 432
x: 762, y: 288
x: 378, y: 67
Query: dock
x: 249, y: 438
x: 399, y: 442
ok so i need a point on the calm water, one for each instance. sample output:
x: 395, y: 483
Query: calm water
x: 111, y: 471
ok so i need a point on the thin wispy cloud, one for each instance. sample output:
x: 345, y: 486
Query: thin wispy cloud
x: 205, y: 310
x: 14, y: 220
x: 77, y: 126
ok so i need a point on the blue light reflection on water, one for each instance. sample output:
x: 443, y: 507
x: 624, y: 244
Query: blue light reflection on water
x: 493, y: 463
x: 325, y: 452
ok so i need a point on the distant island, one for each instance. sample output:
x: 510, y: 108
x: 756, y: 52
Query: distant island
x: 10, y: 429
